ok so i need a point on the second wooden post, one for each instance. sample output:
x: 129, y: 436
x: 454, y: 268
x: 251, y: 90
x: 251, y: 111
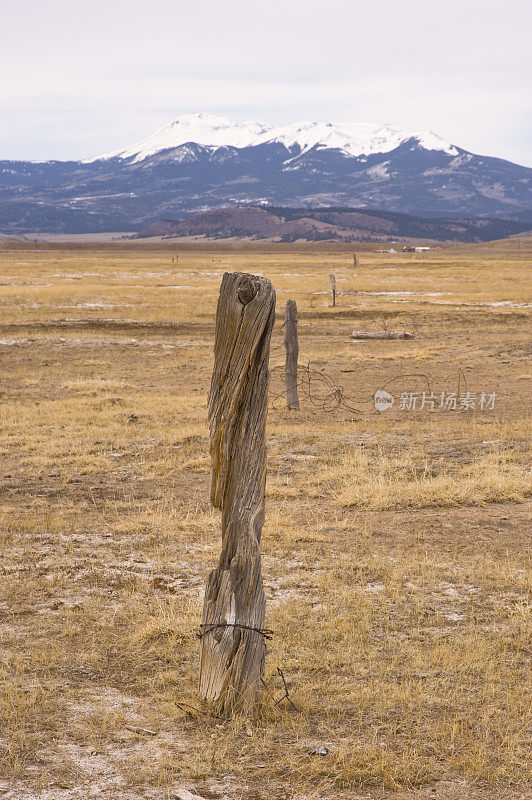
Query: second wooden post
x: 292, y: 353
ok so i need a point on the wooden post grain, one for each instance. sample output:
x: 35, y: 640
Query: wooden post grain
x: 332, y: 286
x: 232, y: 649
x: 292, y: 351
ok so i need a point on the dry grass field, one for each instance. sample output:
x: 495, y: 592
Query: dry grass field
x: 395, y: 550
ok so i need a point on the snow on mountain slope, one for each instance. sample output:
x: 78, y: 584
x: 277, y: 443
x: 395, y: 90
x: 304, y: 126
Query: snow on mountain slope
x: 204, y: 129
x: 353, y: 139
x: 202, y: 162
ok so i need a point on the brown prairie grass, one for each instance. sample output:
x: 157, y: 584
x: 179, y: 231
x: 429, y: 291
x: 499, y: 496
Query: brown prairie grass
x: 396, y: 548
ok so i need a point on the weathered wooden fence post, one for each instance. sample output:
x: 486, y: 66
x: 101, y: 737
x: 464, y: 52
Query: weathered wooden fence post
x: 354, y: 259
x: 292, y: 352
x: 232, y: 649
x: 332, y: 286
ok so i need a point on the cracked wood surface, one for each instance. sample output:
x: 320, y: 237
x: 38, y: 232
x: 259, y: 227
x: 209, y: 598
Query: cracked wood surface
x: 232, y: 657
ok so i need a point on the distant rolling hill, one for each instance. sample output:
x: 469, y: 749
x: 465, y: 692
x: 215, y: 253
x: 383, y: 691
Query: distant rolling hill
x: 329, y: 224
x: 202, y: 162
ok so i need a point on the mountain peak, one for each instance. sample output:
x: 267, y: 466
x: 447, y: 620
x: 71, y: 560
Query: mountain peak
x: 353, y: 139
x: 202, y: 161
x: 200, y: 128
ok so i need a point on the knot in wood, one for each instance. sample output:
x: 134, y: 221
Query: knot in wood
x: 247, y: 289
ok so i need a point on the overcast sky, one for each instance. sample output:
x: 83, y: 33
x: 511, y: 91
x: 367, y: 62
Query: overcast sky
x: 83, y: 77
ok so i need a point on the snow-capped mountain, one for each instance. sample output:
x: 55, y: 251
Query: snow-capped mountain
x: 204, y: 129
x: 201, y: 161
x: 351, y: 139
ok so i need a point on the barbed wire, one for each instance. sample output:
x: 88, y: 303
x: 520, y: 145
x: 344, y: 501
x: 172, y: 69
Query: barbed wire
x: 324, y: 394
x: 320, y: 390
